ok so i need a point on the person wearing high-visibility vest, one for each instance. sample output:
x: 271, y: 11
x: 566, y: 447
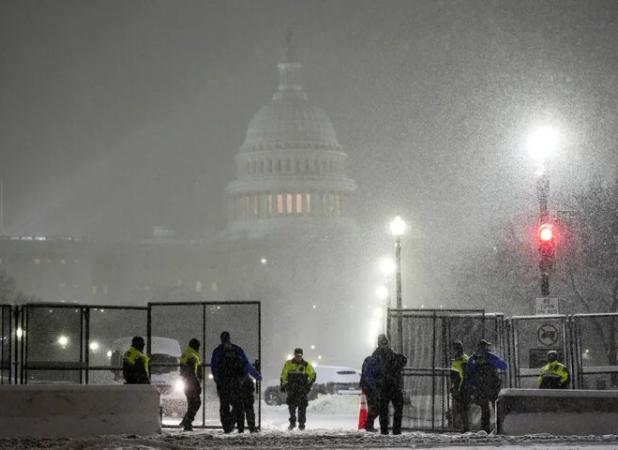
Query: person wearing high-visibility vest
x: 554, y: 374
x: 135, y: 363
x: 191, y: 373
x: 297, y: 377
x: 458, y: 389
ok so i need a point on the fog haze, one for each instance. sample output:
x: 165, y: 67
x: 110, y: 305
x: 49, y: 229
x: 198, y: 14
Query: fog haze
x: 119, y: 116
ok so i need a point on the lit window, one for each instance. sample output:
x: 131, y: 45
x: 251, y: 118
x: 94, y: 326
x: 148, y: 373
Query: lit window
x: 37, y: 261
x: 308, y: 203
x: 289, y: 203
x: 280, y: 203
x: 299, y: 203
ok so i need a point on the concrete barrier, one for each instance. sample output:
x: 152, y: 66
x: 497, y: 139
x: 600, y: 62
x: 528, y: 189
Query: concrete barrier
x: 559, y: 412
x: 57, y: 410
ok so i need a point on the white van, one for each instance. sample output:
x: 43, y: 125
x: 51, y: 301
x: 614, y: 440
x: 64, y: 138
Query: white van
x: 164, y: 371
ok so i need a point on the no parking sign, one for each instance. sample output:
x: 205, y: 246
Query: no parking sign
x: 548, y: 334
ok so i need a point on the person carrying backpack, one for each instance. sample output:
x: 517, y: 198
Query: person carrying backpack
x: 229, y: 365
x: 483, y: 380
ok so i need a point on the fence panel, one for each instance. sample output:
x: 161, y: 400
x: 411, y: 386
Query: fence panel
x: 53, y: 343
x: 595, y: 351
x: 108, y: 334
x: 6, y: 345
x: 205, y: 321
x: 425, y: 340
x: 531, y: 337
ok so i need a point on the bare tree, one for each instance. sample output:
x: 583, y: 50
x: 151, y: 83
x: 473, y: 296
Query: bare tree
x: 589, y: 257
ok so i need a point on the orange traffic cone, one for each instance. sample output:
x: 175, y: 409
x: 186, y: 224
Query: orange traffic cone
x: 362, y: 414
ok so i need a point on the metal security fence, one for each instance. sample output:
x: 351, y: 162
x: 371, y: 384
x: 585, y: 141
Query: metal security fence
x: 68, y: 343
x: 530, y: 338
x: 179, y: 322
x: 6, y: 345
x: 594, y: 348
x: 425, y: 339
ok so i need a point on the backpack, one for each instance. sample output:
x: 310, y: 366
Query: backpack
x: 486, y: 380
x: 231, y: 366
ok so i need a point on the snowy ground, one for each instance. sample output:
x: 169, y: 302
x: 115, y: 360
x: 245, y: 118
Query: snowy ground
x: 331, y: 424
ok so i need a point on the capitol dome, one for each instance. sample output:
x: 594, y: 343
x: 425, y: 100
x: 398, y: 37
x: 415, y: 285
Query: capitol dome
x: 291, y: 168
x: 290, y: 121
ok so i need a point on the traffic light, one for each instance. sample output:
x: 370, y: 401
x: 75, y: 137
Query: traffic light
x: 546, y: 233
x: 547, y: 236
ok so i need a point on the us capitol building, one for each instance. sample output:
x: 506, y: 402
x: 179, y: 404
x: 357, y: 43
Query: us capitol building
x: 288, y: 241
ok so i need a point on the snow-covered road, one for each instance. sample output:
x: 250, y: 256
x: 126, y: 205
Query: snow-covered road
x: 331, y: 425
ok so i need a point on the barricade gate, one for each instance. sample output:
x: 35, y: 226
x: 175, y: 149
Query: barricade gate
x: 425, y: 340
x: 205, y: 321
x: 531, y: 337
x: 595, y: 351
x: 68, y: 343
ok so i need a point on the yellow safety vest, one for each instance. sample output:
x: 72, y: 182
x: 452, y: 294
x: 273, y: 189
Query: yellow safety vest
x: 554, y: 369
x: 457, y: 367
x: 133, y: 354
x: 302, y: 367
x: 189, y: 354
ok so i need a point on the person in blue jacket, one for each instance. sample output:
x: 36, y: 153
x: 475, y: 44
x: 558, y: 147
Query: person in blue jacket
x: 229, y: 365
x: 483, y: 381
x: 368, y: 385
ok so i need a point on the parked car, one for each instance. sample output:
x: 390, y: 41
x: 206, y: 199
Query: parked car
x: 164, y: 371
x: 337, y: 380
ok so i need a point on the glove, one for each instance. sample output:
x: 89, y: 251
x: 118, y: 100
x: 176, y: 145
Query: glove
x: 282, y: 387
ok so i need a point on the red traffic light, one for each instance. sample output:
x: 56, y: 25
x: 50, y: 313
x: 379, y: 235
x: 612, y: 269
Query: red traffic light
x: 546, y: 232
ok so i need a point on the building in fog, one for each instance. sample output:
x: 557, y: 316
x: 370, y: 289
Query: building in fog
x: 291, y: 168
x: 288, y: 241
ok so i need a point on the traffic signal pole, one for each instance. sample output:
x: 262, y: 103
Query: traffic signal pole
x: 545, y: 253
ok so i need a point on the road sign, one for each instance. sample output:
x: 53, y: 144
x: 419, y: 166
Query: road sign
x: 548, y: 334
x: 547, y: 305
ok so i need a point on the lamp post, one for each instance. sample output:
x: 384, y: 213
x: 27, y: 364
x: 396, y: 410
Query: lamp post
x: 398, y: 228
x: 384, y: 292
x: 542, y: 143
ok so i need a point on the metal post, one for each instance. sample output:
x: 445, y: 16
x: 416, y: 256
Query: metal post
x: 398, y: 288
x: 543, y: 194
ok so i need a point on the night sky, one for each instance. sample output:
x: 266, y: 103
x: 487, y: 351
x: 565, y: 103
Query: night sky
x: 116, y: 116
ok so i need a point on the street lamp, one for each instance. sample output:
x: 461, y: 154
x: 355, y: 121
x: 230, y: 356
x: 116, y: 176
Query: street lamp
x: 398, y: 228
x: 541, y: 144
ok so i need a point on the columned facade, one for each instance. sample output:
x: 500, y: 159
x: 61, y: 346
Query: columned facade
x: 291, y: 168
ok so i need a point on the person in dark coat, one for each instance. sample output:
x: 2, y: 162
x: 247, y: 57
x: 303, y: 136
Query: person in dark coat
x: 135, y: 363
x: 191, y: 373
x: 247, y: 398
x: 229, y: 365
x: 389, y: 383
x: 481, y: 377
x: 368, y: 384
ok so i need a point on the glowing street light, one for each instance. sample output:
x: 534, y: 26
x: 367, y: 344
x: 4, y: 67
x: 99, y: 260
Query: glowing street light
x: 542, y: 143
x: 94, y: 346
x: 382, y: 293
x: 387, y: 266
x: 63, y: 341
